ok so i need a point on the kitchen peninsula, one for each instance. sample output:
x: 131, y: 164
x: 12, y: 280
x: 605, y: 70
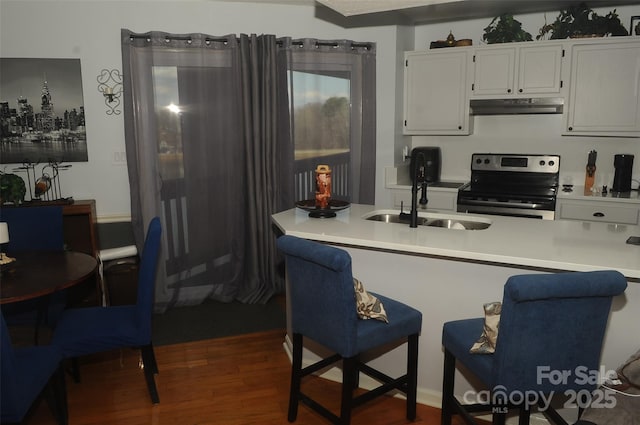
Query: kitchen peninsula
x: 448, y: 274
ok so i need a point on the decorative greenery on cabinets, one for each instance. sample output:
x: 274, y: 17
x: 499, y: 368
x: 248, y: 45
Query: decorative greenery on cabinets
x: 580, y: 21
x: 505, y: 29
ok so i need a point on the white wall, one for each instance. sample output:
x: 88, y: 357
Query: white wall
x: 523, y: 134
x: 90, y: 30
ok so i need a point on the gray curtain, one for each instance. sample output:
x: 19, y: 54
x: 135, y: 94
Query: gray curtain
x: 210, y: 151
x: 269, y: 164
x: 208, y: 145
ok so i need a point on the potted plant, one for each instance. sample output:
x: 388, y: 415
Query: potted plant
x: 505, y: 29
x: 581, y: 21
x: 12, y: 189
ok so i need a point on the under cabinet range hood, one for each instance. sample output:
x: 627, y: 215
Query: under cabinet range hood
x: 538, y: 105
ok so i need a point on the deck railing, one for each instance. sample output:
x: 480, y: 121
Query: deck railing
x: 305, y: 176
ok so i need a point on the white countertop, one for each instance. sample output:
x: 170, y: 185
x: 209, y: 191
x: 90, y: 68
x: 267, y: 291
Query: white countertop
x: 544, y: 244
x: 578, y: 193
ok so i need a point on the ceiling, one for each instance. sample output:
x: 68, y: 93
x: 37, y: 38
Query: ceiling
x: 429, y: 11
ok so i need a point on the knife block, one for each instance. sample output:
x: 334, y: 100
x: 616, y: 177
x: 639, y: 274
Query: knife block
x: 589, y: 178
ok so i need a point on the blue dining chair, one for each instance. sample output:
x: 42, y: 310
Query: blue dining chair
x: 82, y: 331
x: 26, y: 374
x: 34, y: 229
x: 549, y: 325
x: 323, y: 309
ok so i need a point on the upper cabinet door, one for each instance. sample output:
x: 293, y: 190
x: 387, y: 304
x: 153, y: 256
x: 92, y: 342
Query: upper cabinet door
x: 435, y: 92
x: 513, y: 71
x: 539, y: 69
x: 604, y: 96
x: 494, y: 71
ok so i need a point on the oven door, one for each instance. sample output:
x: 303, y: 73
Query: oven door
x: 497, y: 209
x: 532, y: 206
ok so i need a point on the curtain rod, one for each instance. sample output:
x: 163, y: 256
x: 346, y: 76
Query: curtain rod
x: 188, y: 39
x: 331, y: 44
x: 208, y: 40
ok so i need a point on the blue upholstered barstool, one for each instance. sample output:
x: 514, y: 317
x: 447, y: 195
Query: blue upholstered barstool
x: 323, y: 309
x: 549, y: 324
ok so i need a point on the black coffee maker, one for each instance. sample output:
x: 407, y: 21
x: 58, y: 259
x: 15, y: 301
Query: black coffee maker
x: 623, y: 164
x: 431, y: 159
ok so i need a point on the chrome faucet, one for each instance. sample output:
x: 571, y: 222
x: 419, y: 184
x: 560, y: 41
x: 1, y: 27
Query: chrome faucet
x: 418, y: 177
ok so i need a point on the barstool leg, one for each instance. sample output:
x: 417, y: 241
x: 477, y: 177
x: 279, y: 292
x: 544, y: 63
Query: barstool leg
x: 349, y: 369
x: 447, y: 387
x: 296, y: 376
x: 412, y: 376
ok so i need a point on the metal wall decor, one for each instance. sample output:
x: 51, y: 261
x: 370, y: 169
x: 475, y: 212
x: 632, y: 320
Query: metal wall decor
x: 44, y: 186
x: 110, y: 85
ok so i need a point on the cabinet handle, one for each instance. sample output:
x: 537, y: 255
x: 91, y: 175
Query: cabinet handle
x: 459, y: 127
x: 598, y: 214
x: 570, y: 128
x: 508, y: 90
x: 520, y: 90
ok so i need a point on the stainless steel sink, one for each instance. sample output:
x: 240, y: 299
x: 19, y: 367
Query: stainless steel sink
x: 458, y: 224
x: 445, y: 221
x: 395, y: 218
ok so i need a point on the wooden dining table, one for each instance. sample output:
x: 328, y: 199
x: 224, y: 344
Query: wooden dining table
x: 41, y: 273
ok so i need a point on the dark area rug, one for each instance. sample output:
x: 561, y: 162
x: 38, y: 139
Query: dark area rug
x: 214, y: 319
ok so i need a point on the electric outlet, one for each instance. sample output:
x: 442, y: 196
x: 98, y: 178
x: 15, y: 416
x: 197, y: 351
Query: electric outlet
x: 405, y: 153
x: 119, y: 158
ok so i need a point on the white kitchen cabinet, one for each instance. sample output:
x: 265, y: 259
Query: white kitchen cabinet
x: 435, y: 92
x: 608, y: 212
x: 604, y: 94
x: 517, y: 70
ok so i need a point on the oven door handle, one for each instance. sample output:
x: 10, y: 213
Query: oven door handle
x: 531, y: 206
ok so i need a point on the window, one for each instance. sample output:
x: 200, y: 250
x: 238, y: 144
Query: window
x: 327, y: 91
x: 170, y: 155
x: 321, y: 128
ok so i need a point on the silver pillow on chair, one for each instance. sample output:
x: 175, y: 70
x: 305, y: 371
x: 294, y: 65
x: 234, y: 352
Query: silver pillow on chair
x: 368, y: 306
x: 486, y: 344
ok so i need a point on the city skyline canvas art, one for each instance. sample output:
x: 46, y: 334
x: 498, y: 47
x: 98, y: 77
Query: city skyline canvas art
x: 42, y: 116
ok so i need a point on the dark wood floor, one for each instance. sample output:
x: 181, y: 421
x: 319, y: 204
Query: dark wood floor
x: 238, y: 380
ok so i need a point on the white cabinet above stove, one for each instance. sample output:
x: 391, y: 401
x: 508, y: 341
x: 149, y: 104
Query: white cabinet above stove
x: 506, y: 71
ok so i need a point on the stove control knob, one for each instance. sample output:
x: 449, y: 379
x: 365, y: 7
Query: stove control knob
x: 551, y: 163
x: 542, y: 162
x: 486, y: 160
x: 478, y: 161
